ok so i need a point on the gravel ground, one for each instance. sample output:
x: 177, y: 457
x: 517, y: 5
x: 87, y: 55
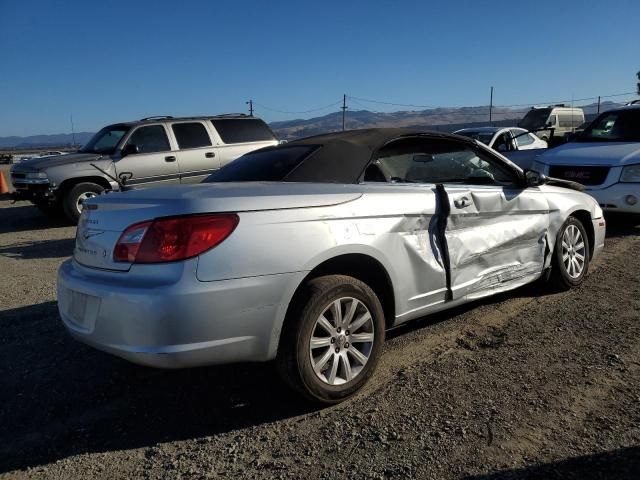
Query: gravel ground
x: 524, y: 385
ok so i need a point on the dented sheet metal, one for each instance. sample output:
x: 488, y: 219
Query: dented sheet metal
x: 495, y: 237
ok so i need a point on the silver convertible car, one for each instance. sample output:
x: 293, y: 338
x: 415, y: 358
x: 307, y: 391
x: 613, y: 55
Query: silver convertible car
x: 305, y: 253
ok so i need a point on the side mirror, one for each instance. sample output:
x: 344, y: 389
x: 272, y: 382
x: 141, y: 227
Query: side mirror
x: 129, y: 149
x: 534, y: 179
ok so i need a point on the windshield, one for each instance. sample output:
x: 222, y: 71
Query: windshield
x: 484, y: 137
x: 536, y: 118
x: 106, y: 140
x: 271, y: 164
x: 620, y: 126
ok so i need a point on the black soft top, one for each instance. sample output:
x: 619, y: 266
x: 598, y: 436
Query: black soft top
x: 342, y: 157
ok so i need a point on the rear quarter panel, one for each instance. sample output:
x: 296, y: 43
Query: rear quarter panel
x: 389, y: 224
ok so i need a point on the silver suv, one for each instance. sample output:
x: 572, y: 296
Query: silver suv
x: 150, y: 152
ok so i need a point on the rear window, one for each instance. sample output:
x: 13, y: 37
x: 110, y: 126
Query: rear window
x: 271, y: 164
x: 239, y: 130
x: 191, y: 135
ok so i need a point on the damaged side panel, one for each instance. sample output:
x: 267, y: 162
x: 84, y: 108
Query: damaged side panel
x: 496, y: 239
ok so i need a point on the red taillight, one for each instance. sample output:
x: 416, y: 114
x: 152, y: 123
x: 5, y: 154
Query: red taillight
x: 171, y: 239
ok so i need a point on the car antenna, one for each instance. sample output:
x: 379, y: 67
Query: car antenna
x: 121, y: 183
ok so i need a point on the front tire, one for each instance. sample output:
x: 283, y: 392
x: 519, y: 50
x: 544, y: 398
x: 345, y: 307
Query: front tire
x: 332, y: 339
x: 74, y: 198
x: 570, y: 262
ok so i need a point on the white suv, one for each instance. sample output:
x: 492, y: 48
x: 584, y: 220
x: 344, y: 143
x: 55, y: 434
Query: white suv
x: 605, y: 158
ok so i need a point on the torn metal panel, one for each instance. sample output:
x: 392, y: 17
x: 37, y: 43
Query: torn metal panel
x: 495, y: 237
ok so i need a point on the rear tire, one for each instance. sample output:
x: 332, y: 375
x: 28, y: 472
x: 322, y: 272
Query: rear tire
x: 332, y: 339
x: 72, y: 201
x: 570, y: 262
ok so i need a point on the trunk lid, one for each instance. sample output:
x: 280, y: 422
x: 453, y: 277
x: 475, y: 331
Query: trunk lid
x: 105, y: 217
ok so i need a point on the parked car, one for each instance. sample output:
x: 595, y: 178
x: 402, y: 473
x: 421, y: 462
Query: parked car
x: 149, y: 152
x: 6, y: 158
x: 517, y: 144
x: 605, y: 158
x: 504, y: 139
x: 307, y: 252
x: 553, y: 123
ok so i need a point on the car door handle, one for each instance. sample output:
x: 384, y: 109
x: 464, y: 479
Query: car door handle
x: 210, y: 154
x: 170, y: 158
x: 462, y: 202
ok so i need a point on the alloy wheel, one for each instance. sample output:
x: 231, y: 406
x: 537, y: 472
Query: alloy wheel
x: 573, y: 251
x: 82, y: 197
x: 341, y: 341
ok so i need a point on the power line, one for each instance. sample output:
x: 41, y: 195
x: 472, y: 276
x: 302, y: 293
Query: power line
x: 551, y: 102
x: 546, y: 102
x: 298, y: 112
x: 390, y: 103
x: 492, y: 110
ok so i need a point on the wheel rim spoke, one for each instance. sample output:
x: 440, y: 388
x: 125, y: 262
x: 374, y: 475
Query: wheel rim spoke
x: 334, y: 369
x: 577, y: 267
x: 350, y: 313
x: 346, y: 364
x: 360, y: 321
x: 336, y: 308
x: 318, y: 342
x: 358, y: 355
x: 361, y: 337
x: 325, y: 324
x: 580, y: 257
x: 319, y: 365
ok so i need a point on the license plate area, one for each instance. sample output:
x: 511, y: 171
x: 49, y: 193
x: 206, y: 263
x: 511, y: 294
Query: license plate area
x: 80, y: 309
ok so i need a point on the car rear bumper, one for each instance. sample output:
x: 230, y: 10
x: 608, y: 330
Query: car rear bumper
x: 618, y: 197
x: 181, y: 324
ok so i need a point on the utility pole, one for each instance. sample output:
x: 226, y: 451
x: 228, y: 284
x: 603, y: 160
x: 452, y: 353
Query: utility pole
x: 73, y: 132
x: 250, y: 103
x: 344, y: 108
x: 598, y: 103
x: 491, y: 105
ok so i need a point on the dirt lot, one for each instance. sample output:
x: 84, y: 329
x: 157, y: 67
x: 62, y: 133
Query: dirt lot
x: 526, y: 385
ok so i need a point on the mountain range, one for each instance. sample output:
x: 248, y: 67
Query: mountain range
x: 442, y: 119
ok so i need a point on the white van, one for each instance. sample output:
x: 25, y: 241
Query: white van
x: 554, y: 121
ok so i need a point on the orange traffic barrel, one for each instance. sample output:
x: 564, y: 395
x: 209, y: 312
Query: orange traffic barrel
x: 4, y: 188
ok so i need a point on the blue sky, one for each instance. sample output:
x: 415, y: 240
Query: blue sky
x: 121, y: 60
